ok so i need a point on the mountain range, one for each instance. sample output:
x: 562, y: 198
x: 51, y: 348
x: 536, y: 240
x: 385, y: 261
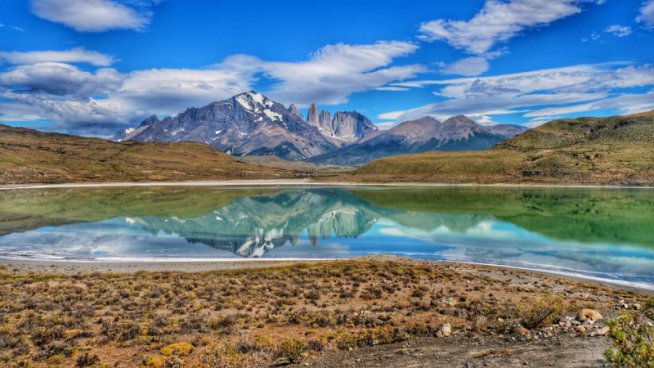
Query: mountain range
x: 250, y: 124
x: 426, y: 134
x: 614, y: 150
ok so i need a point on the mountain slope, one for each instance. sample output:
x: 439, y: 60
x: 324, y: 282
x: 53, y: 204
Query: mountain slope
x: 30, y: 156
x: 246, y: 124
x: 614, y: 150
x: 426, y: 134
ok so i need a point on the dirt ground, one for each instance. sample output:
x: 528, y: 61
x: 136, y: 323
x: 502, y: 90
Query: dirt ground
x: 563, y: 351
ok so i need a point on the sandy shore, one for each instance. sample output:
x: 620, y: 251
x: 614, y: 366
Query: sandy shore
x: 81, y: 267
x: 66, y: 267
x: 298, y: 182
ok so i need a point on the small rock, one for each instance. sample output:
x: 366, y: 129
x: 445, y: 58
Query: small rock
x: 602, y: 331
x: 589, y: 315
x: 637, y: 306
x: 281, y: 362
x: 444, y: 330
x: 522, y: 331
x: 580, y: 330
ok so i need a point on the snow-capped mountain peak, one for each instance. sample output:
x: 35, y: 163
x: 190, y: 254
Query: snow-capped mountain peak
x: 254, y: 101
x: 246, y: 124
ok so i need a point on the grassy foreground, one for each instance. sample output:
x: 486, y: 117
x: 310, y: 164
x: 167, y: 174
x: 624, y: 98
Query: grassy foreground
x: 616, y: 150
x: 255, y: 317
x: 30, y: 156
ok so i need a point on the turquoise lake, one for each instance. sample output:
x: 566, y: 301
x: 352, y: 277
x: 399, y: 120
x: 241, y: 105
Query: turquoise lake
x: 603, y: 233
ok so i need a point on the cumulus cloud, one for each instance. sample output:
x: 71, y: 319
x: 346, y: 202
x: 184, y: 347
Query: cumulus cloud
x: 498, y: 21
x: 92, y: 101
x: 95, y: 15
x: 75, y: 55
x: 618, y: 30
x: 646, y: 15
x: 168, y: 91
x: 527, y: 92
x: 60, y: 79
x: 468, y: 67
x: 334, y: 72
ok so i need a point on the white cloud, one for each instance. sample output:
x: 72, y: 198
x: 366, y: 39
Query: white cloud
x: 391, y: 89
x: 529, y: 92
x: 618, y: 30
x: 647, y: 13
x: 75, y: 55
x: 626, y: 103
x: 334, y: 72
x: 102, y: 99
x: 496, y: 22
x: 168, y: 91
x: 468, y: 67
x: 60, y: 79
x: 94, y: 15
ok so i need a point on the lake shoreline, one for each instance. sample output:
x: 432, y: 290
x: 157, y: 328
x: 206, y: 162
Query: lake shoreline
x: 305, y: 182
x: 74, y: 267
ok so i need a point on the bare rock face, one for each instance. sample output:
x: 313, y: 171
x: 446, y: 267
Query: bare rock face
x: 312, y: 116
x: 345, y: 127
x: 325, y: 121
x: 351, y: 126
x: 246, y: 124
x: 293, y: 110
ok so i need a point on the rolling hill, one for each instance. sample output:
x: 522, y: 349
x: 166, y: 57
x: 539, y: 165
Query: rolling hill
x: 614, y: 150
x: 30, y: 156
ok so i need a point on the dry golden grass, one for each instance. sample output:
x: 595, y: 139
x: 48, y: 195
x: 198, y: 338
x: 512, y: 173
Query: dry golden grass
x: 243, y: 318
x: 616, y: 150
x: 29, y: 156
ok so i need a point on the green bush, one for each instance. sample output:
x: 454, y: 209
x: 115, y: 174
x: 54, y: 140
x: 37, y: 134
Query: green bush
x: 633, y: 339
x: 293, y: 350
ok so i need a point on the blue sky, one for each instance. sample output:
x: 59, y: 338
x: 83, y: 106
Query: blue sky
x: 93, y: 66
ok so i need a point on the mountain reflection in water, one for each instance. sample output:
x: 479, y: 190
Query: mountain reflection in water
x: 596, y: 231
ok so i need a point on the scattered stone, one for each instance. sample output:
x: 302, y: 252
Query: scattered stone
x: 281, y: 362
x: 580, y: 330
x: 589, y: 315
x: 637, y: 306
x: 444, y: 330
x: 522, y: 331
x: 601, y: 332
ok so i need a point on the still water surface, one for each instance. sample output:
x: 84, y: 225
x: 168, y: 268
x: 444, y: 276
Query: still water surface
x: 605, y: 233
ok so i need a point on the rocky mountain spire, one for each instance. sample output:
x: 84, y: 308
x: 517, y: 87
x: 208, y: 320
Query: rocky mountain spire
x: 293, y: 110
x: 312, y: 116
x: 325, y: 120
